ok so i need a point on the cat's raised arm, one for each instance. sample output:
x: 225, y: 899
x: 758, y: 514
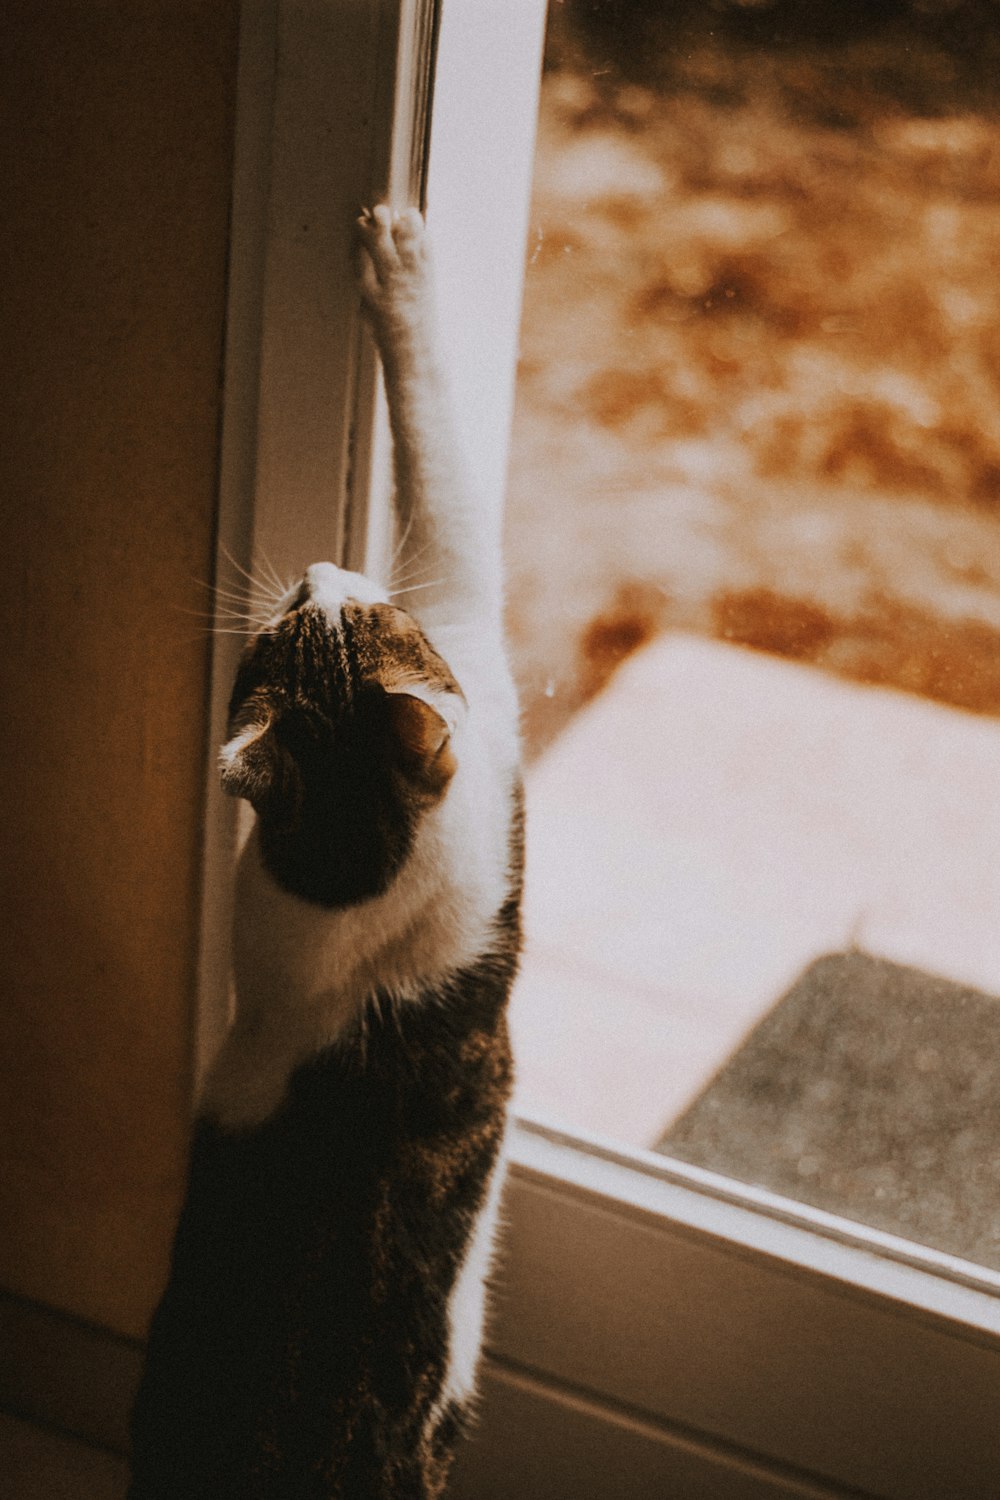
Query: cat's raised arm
x: 447, y: 559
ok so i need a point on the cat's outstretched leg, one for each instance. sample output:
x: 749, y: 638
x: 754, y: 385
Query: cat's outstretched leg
x: 441, y: 522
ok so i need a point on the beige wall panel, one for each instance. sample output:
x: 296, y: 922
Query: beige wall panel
x: 116, y: 179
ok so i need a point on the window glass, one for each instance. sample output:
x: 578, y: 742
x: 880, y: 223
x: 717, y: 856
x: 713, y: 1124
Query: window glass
x: 754, y: 599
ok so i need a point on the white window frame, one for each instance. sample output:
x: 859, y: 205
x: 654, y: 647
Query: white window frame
x: 661, y: 1330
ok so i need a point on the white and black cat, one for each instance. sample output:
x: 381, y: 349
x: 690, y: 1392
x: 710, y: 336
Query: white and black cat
x: 320, y: 1331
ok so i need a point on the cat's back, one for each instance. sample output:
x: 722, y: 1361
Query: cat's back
x: 307, y: 1341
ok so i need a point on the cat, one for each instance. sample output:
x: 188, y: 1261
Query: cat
x: 320, y: 1330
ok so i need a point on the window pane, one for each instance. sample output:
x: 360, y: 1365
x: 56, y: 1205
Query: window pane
x: 754, y: 564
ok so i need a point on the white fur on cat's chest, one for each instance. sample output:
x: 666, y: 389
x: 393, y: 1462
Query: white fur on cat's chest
x: 303, y: 972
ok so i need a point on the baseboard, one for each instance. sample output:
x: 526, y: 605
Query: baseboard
x: 535, y: 1440
x: 67, y: 1374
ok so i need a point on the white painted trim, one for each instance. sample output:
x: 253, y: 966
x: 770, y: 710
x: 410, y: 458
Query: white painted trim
x: 489, y: 66
x: 237, y: 479
x: 647, y: 1183
x: 663, y: 1297
x: 538, y: 1440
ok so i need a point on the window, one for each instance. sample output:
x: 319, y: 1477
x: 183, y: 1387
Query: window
x: 662, y: 1329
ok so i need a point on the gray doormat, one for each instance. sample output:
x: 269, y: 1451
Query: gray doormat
x: 871, y: 1091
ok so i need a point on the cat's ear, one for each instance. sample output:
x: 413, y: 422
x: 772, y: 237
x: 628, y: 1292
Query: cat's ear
x: 421, y: 740
x: 251, y: 765
x: 246, y: 762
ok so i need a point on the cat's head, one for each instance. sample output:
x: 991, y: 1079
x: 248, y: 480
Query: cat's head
x: 340, y: 736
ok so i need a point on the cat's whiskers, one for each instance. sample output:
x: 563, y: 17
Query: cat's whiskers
x: 397, y: 551
x: 258, y: 588
x: 270, y: 588
x: 221, y: 617
x: 251, y: 613
x: 281, y: 586
x: 216, y: 591
x: 256, y: 608
x: 412, y: 588
x: 235, y: 563
x: 203, y: 614
x: 232, y: 596
x: 399, y: 559
x: 244, y: 604
x: 239, y: 630
x: 408, y: 567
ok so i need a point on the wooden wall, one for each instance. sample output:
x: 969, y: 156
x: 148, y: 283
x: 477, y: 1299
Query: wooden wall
x: 116, y: 170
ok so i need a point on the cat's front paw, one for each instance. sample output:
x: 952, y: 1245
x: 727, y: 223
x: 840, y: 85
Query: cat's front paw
x: 393, y: 267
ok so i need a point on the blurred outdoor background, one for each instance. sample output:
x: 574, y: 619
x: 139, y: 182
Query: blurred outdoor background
x: 760, y: 369
x: 759, y: 406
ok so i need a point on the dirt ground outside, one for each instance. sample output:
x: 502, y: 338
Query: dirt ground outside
x: 759, y: 391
